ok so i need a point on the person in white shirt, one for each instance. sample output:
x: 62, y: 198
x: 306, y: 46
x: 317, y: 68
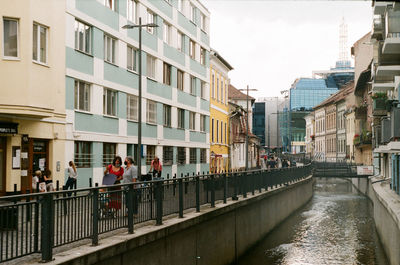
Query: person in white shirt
x: 72, y: 175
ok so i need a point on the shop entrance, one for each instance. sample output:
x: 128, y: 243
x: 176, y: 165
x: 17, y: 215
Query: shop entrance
x: 3, y: 153
x: 38, y: 160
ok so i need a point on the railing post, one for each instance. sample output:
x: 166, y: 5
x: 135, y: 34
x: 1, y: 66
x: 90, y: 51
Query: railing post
x: 212, y: 191
x: 244, y: 184
x: 259, y: 182
x: 47, y: 227
x: 129, y: 198
x: 95, y: 211
x: 28, y: 207
x: 36, y: 226
x: 225, y: 186
x: 253, y: 182
x: 235, y: 186
x: 197, y: 193
x: 159, y: 204
x: 180, y: 191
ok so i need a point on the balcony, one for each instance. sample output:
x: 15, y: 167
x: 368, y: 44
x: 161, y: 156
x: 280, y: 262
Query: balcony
x: 385, y: 130
x: 382, y: 87
x: 363, y: 140
x: 379, y: 107
x: 378, y: 27
x: 377, y: 139
x: 387, y: 72
x: 391, y: 44
x: 395, y: 123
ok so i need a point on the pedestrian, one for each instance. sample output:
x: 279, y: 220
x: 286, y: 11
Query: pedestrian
x: 72, y: 176
x: 42, y: 181
x: 35, y: 181
x: 156, y: 167
x: 116, y: 169
x: 130, y: 176
x: 48, y: 180
x: 285, y: 163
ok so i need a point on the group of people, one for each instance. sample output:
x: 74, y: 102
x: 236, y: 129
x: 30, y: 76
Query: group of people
x: 276, y: 162
x: 42, y: 181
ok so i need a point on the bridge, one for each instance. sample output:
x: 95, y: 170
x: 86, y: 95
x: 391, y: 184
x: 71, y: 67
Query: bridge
x: 340, y: 170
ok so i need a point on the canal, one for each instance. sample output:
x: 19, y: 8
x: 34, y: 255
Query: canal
x: 335, y: 227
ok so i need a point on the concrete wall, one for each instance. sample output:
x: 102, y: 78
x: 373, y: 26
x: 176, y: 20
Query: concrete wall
x: 214, y: 236
x: 386, y: 215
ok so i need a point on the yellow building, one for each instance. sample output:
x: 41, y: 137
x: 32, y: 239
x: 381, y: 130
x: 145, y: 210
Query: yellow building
x: 32, y: 99
x: 219, y: 112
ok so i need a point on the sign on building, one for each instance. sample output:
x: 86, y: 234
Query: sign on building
x: 365, y: 170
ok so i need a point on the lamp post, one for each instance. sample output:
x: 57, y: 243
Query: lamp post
x: 139, y: 146
x: 247, y: 125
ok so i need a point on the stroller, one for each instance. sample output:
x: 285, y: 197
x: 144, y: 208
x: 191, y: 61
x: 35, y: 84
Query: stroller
x: 110, y: 198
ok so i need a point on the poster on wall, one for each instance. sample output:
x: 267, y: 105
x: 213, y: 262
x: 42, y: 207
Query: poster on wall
x: 41, y: 163
x: 16, y: 157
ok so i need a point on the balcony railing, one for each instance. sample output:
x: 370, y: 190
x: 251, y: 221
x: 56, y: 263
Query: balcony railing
x: 393, y: 35
x: 379, y: 107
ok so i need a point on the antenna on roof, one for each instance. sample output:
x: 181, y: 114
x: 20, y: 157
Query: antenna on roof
x: 343, y: 51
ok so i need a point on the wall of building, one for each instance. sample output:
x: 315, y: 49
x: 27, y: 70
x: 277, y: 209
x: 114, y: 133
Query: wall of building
x: 215, y: 236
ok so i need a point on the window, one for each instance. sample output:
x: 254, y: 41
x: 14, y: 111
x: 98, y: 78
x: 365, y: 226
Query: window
x: 132, y: 150
x: 222, y: 91
x: 167, y: 115
x: 167, y: 33
x: 192, y: 85
x: 39, y: 47
x: 180, y: 80
x: 192, y: 120
x: 168, y: 153
x: 181, y: 118
x: 203, y: 155
x: 181, y: 156
x: 225, y: 131
x: 180, y: 5
x: 203, y: 22
x: 213, y: 86
x: 167, y: 74
x: 109, y: 49
x: 83, y: 154
x: 150, y: 20
x: 212, y: 130
x: 110, y: 4
x: 226, y: 94
x: 217, y: 88
x: 203, y: 89
x: 82, y: 96
x: 109, y: 151
x: 202, y: 123
x: 131, y: 60
x: 203, y: 56
x: 150, y: 153
x: 151, y: 66
x: 132, y: 11
x: 193, y: 13
x: 180, y: 41
x: 193, y: 156
x: 132, y: 107
x: 10, y: 37
x: 217, y: 130
x: 192, y: 50
x: 83, y: 37
x: 110, y: 102
x: 151, y: 111
x: 222, y: 139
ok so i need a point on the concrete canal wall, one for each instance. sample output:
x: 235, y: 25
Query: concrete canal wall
x: 386, y: 214
x: 214, y: 236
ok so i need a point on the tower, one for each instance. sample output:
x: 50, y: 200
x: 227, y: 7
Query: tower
x: 343, y: 51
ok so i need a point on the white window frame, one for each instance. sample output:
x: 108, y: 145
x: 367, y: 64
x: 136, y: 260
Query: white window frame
x: 38, y: 48
x: 151, y: 116
x: 202, y: 123
x: 192, y: 120
x: 132, y: 109
x: 202, y: 21
x: 179, y: 43
x: 192, y: 85
x: 3, y: 42
x: 203, y: 89
x: 79, y: 25
x: 202, y: 56
x: 131, y: 55
x: 193, y: 13
x: 213, y: 86
x: 110, y: 55
x: 151, y: 66
x: 150, y: 20
x: 192, y: 49
x: 108, y: 2
x: 132, y: 11
x: 181, y: 118
x: 180, y: 81
x: 82, y: 87
x: 113, y: 101
x: 167, y: 115
x: 167, y: 70
x: 167, y: 33
x: 180, y: 6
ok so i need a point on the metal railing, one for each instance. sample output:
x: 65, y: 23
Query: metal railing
x: 37, y: 223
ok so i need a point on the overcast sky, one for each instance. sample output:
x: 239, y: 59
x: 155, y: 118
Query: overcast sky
x: 271, y: 43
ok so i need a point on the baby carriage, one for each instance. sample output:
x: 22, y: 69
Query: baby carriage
x: 110, y: 198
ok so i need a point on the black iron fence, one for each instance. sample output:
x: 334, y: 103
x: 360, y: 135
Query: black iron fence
x: 37, y: 223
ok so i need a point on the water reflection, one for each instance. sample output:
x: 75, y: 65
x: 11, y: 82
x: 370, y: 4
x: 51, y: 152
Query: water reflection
x: 335, y: 227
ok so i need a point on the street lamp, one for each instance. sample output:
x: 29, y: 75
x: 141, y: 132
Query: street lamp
x: 247, y: 125
x: 139, y: 146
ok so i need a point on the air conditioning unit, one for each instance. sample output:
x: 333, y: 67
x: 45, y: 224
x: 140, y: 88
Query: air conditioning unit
x: 395, y: 122
x: 385, y: 130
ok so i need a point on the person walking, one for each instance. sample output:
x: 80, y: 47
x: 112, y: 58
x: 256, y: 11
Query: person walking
x: 72, y: 176
x: 48, y: 180
x: 130, y: 176
x: 156, y: 167
x: 115, y: 197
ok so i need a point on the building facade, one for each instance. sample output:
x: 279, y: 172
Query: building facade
x: 310, y: 134
x: 32, y: 108
x: 219, y: 112
x: 101, y: 85
x: 237, y: 137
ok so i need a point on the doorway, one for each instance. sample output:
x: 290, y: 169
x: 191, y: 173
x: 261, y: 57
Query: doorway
x: 38, y: 160
x: 3, y: 152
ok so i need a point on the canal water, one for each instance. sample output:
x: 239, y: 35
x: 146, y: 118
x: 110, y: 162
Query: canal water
x: 335, y: 227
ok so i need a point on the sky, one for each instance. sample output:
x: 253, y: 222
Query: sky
x: 271, y: 43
